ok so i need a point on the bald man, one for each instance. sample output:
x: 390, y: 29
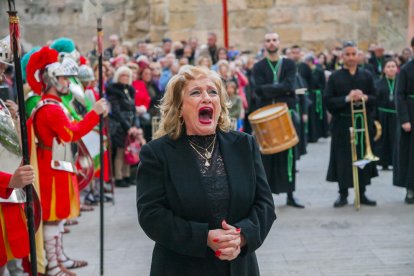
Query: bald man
x: 274, y: 79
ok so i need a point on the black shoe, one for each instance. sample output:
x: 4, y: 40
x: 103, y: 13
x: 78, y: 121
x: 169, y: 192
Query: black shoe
x: 130, y: 181
x: 385, y: 168
x: 409, y: 198
x: 340, y: 202
x: 366, y: 201
x: 121, y: 183
x: 294, y: 203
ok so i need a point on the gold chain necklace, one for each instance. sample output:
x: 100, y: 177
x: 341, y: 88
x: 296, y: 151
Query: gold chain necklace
x: 206, y: 155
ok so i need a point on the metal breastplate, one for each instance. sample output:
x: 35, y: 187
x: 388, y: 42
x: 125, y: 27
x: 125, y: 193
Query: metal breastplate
x: 62, y: 155
x: 10, y: 152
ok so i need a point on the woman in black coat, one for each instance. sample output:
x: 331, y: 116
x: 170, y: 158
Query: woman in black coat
x: 121, y: 95
x: 387, y: 114
x: 202, y: 193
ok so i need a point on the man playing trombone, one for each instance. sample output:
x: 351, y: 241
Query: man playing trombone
x: 350, y: 85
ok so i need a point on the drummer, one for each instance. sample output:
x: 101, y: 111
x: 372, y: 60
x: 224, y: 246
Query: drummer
x: 274, y: 77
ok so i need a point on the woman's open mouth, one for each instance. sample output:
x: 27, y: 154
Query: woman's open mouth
x: 205, y: 115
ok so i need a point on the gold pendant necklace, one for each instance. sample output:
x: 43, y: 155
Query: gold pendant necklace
x: 207, y: 155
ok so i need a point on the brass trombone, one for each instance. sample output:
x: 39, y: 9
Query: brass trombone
x: 368, y: 156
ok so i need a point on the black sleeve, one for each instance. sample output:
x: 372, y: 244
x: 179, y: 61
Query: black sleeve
x: 401, y: 99
x: 116, y: 108
x: 258, y: 223
x: 372, y: 91
x: 155, y: 217
x: 271, y: 91
x: 333, y: 103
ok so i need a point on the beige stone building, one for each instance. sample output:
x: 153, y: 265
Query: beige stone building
x: 314, y: 24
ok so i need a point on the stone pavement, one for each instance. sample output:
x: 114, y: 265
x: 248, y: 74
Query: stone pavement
x: 319, y: 240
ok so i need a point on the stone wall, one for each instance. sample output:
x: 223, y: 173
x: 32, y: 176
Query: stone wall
x: 314, y: 24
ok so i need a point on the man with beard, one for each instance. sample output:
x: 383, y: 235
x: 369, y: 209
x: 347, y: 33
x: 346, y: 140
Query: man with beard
x: 274, y: 78
x: 344, y: 85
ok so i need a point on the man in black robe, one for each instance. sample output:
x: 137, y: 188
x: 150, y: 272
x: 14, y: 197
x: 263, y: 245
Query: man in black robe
x: 404, y: 165
x: 274, y: 78
x: 377, y: 61
x: 318, y: 119
x: 303, y: 80
x: 345, y: 84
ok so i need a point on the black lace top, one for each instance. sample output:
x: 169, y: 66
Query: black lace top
x: 213, y: 177
x: 214, y: 181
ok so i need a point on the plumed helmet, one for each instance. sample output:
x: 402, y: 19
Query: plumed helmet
x: 66, y: 45
x: 66, y: 68
x: 25, y: 60
x: 85, y: 73
x: 5, y: 51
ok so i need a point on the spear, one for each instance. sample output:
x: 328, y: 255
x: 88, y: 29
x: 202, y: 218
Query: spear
x: 15, y: 47
x: 98, y: 12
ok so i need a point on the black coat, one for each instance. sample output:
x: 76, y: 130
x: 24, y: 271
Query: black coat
x: 122, y: 117
x: 404, y: 164
x: 173, y: 207
x: 339, y: 85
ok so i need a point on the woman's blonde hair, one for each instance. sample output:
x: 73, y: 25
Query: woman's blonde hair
x: 171, y: 122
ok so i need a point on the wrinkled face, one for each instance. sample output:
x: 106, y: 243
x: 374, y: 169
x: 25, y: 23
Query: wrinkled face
x: 124, y: 78
x: 349, y: 55
x: 201, y: 107
x: 390, y: 69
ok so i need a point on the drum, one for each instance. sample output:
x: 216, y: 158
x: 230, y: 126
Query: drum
x: 273, y: 128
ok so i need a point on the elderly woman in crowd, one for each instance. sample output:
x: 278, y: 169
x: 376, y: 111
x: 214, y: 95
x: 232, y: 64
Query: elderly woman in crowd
x: 121, y: 96
x: 202, y: 193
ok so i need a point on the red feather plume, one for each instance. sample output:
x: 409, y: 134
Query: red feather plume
x: 37, y: 63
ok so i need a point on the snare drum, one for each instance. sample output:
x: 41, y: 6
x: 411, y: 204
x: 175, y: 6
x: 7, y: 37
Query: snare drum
x: 273, y: 128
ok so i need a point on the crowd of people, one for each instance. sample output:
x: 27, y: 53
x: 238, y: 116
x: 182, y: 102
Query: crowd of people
x: 63, y: 107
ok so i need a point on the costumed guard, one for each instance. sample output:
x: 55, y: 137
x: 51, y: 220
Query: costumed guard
x: 51, y: 130
x: 318, y: 119
x: 344, y: 85
x: 274, y: 79
x: 14, y: 237
x: 404, y: 160
x: 387, y: 114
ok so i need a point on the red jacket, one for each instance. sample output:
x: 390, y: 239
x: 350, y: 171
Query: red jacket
x: 14, y: 237
x: 141, y: 94
x: 58, y: 189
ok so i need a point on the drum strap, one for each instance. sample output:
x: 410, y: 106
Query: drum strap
x: 290, y: 158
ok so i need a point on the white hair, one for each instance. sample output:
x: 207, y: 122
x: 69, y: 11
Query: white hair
x: 121, y: 70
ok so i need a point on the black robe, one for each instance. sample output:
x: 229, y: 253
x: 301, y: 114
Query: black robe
x: 303, y: 79
x: 280, y: 167
x: 404, y: 162
x: 387, y: 116
x: 318, y: 119
x: 339, y: 85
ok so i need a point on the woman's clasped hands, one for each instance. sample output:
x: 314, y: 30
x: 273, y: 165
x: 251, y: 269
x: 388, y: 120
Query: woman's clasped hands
x: 226, y: 242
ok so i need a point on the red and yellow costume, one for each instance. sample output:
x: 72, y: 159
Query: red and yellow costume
x: 58, y: 189
x: 14, y: 238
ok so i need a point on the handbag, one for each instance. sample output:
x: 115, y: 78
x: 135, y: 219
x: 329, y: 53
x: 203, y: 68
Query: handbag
x: 132, y: 150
